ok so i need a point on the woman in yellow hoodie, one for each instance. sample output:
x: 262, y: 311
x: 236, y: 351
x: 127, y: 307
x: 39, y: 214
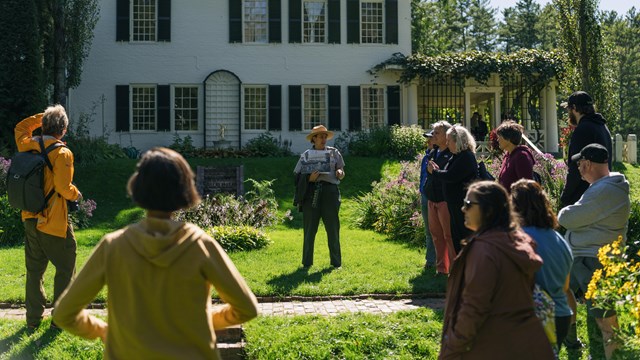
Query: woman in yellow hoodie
x: 159, y: 273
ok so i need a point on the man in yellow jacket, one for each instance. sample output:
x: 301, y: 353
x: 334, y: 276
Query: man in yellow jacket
x: 48, y: 234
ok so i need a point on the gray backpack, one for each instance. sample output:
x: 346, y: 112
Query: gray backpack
x: 25, y: 179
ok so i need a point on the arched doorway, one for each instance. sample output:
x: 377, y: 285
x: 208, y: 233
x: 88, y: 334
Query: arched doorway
x: 222, y: 110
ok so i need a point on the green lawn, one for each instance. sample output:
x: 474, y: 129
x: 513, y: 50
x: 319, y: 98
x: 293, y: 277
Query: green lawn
x: 371, y: 264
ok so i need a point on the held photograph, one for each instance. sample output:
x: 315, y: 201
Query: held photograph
x: 316, y: 160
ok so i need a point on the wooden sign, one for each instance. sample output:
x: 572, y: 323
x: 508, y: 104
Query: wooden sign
x: 215, y: 180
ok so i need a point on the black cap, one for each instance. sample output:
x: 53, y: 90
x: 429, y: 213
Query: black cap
x: 428, y: 134
x: 592, y: 152
x: 578, y: 98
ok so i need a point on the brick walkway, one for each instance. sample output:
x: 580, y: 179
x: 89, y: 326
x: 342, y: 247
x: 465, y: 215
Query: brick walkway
x: 326, y: 307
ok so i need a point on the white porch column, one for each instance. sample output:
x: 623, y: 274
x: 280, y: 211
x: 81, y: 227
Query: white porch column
x: 412, y: 104
x: 632, y: 149
x: 467, y: 110
x: 551, y: 118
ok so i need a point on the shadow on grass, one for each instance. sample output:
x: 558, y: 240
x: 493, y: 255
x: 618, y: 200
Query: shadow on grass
x: 285, y: 283
x: 7, y: 343
x: 36, y: 344
x: 428, y: 282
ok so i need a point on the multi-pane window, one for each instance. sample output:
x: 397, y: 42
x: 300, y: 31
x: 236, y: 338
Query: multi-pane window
x: 185, y: 108
x: 256, y: 21
x: 255, y: 107
x: 372, y: 107
x: 371, y: 22
x: 314, y: 106
x: 143, y: 105
x: 144, y: 20
x: 314, y: 21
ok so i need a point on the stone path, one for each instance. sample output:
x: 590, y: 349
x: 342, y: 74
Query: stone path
x: 291, y: 308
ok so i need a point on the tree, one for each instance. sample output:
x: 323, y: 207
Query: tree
x: 582, y: 40
x: 519, y: 29
x: 67, y: 30
x: 620, y: 35
x: 21, y: 85
x: 482, y: 33
x: 548, y: 28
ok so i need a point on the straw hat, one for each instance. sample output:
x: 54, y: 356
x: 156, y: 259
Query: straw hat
x: 320, y: 129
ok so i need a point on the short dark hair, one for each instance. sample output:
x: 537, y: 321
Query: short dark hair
x: 585, y: 109
x: 54, y: 120
x: 532, y: 205
x: 495, y: 206
x: 511, y: 131
x: 163, y: 181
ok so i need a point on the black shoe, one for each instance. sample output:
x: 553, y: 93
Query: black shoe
x: 571, y: 344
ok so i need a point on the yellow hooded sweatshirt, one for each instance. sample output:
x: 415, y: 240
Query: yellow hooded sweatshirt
x: 53, y: 220
x: 159, y: 274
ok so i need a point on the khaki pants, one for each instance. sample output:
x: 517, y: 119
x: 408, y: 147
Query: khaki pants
x: 39, y: 249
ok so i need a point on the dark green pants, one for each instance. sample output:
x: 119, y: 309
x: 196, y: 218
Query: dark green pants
x: 39, y: 249
x: 327, y: 208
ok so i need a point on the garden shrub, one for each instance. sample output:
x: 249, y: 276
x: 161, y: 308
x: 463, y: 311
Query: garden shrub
x: 87, y: 149
x: 258, y: 209
x: 183, y: 146
x: 397, y: 142
x: 81, y: 218
x: 393, y: 205
x: 239, y: 238
x: 617, y: 286
x: 552, y: 171
x: 11, y: 228
x: 266, y: 145
x: 406, y: 141
x: 633, y: 233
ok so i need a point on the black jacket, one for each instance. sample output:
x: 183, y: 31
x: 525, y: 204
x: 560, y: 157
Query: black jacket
x: 591, y: 129
x: 433, y: 187
x: 461, y: 170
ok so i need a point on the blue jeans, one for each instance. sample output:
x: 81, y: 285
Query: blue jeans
x: 430, y: 257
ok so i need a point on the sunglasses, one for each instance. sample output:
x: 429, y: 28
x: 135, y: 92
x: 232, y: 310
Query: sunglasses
x: 467, y: 203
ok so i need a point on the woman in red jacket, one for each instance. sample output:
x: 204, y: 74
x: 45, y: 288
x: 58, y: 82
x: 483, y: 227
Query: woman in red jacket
x: 489, y: 310
x: 518, y: 160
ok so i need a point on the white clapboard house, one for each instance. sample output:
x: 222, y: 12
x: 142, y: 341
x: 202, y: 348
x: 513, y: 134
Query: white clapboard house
x: 225, y: 71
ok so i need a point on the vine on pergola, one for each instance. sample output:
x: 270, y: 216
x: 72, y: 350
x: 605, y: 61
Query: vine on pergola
x: 537, y: 68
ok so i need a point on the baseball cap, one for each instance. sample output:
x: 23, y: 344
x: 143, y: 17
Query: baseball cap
x: 592, y: 152
x: 428, y: 134
x: 578, y: 98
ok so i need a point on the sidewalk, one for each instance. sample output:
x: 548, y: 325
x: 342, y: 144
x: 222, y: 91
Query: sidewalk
x: 292, y: 308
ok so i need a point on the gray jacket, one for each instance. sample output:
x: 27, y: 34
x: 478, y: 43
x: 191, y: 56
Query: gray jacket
x: 599, y: 217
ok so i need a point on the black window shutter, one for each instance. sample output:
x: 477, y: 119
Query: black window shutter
x: 164, y: 20
x: 393, y: 105
x: 295, y: 107
x: 295, y: 21
x: 353, y: 21
x: 275, y: 21
x: 275, y: 107
x: 164, y: 108
x: 334, y: 21
x: 122, y: 22
x: 122, y: 108
x: 391, y: 21
x: 355, y: 114
x: 334, y: 108
x: 235, y: 21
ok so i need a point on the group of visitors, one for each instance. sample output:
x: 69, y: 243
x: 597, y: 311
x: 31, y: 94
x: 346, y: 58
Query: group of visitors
x: 494, y: 240
x: 514, y: 244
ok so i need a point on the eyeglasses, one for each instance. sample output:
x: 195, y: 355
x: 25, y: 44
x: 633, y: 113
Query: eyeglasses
x: 468, y: 203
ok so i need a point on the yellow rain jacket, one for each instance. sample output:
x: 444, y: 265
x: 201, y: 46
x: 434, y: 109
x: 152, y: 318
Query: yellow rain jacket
x: 53, y: 220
